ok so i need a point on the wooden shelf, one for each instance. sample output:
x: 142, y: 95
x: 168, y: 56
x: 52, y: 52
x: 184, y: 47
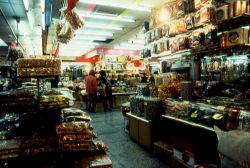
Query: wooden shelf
x: 235, y: 22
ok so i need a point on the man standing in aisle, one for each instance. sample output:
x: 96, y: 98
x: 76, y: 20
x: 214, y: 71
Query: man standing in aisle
x: 91, y: 89
x: 107, y: 91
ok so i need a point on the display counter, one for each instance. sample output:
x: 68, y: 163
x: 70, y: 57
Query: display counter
x: 120, y: 98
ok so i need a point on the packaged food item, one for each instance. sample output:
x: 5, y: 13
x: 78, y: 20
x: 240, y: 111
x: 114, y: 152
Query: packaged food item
x: 236, y: 37
x: 182, y: 43
x: 72, y: 127
x: 244, y: 120
x: 237, y: 6
x: 197, y: 19
x: 231, y: 10
x: 181, y: 26
x: 21, y: 71
x: 207, y: 14
x: 233, y: 118
x: 174, y: 45
x: 222, y: 13
x: 186, y: 88
x: 189, y: 21
x: 172, y: 29
x: 22, y: 63
x: 10, y: 148
x: 165, y: 31
x: 152, y: 108
x: 72, y: 17
x: 166, y: 45
x: 244, y: 7
x: 210, y: 35
x: 196, y: 38
x: 157, y: 33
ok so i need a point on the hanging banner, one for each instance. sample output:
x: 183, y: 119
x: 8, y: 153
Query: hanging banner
x: 56, y: 52
x: 71, y: 4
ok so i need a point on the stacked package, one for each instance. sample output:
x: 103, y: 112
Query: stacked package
x: 137, y: 105
x: 9, y: 148
x: 152, y: 108
x: 177, y: 109
x: 38, y: 144
x: 143, y: 90
x: 33, y: 67
x: 76, y: 134
x: 17, y: 101
x: 55, y: 101
x: 186, y: 88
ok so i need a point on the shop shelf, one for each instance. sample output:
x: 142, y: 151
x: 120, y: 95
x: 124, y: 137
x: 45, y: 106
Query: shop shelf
x: 188, y: 123
x: 235, y: 22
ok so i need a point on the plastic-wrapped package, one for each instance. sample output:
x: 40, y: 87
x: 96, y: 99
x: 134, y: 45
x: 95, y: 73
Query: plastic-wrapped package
x: 152, y: 108
x: 21, y: 71
x: 143, y: 90
x: 186, y: 89
x: 244, y: 120
x: 73, y: 18
x: 66, y: 33
x: 177, y: 109
x: 10, y: 148
x: 38, y: 144
x: 137, y: 105
x: 72, y: 127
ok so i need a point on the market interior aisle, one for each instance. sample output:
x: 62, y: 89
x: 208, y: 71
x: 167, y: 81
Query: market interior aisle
x: 123, y: 151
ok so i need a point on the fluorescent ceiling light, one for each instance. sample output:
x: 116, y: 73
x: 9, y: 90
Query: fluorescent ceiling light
x: 2, y: 43
x: 30, y: 19
x: 77, y: 42
x: 131, y: 45
x: 128, y: 47
x: 96, y: 33
x: 137, y: 42
x: 118, y: 5
x: 89, y: 38
x: 106, y: 17
x: 26, y: 4
x: 101, y: 26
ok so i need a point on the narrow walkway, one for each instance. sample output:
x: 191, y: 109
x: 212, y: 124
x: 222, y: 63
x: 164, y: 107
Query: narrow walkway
x: 123, y: 151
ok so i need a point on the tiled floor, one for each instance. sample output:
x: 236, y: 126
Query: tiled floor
x: 123, y: 151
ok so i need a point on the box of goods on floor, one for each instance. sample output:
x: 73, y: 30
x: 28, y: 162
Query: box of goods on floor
x: 47, y: 132
x: 187, y: 132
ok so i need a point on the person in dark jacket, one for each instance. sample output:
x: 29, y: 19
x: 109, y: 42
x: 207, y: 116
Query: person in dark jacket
x: 107, y: 91
x: 144, y: 78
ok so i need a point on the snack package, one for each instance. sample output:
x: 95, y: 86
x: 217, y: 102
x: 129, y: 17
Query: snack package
x: 197, y: 38
x: 73, y: 18
x: 181, y: 26
x: 222, y: 13
x: 189, y: 21
x: 21, y: 71
x: 210, y: 36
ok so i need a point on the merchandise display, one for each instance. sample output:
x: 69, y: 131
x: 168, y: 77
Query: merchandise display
x: 17, y: 101
x: 180, y: 76
x: 38, y: 67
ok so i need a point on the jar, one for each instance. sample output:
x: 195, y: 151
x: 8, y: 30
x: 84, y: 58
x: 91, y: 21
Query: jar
x: 233, y: 118
x: 186, y: 89
x: 244, y: 121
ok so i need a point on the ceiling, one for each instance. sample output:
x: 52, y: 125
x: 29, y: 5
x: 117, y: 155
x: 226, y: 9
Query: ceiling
x: 97, y: 32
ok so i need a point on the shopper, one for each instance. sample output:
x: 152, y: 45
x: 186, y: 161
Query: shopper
x: 91, y: 89
x: 144, y: 78
x: 106, y: 91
